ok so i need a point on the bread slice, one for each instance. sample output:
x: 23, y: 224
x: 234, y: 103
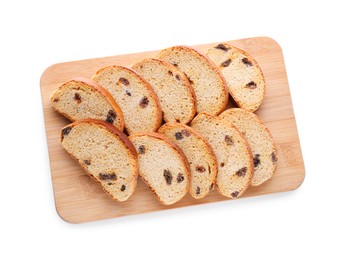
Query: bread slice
x: 260, y: 140
x: 208, y: 84
x: 137, y: 100
x: 82, y: 98
x: 242, y: 73
x: 201, y: 158
x: 163, y: 166
x: 235, y: 161
x: 105, y: 153
x: 176, y: 96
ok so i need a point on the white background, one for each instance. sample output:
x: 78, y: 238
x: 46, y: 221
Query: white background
x: 292, y: 225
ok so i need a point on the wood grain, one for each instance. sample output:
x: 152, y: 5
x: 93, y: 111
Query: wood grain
x: 79, y: 199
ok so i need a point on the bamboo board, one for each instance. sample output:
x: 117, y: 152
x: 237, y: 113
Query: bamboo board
x: 79, y: 199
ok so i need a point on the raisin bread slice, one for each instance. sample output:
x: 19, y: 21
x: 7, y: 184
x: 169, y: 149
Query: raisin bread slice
x: 163, y: 166
x: 242, y: 73
x: 105, y: 153
x: 82, y: 98
x: 137, y: 100
x: 235, y: 161
x: 201, y: 158
x: 260, y: 140
x: 207, y: 81
x: 176, y: 96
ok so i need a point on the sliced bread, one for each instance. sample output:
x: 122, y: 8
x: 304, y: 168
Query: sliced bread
x: 201, y: 158
x: 105, y: 153
x: 82, y: 98
x: 176, y: 96
x: 235, y: 161
x: 205, y: 78
x: 137, y: 100
x: 242, y: 73
x: 260, y: 140
x: 163, y: 166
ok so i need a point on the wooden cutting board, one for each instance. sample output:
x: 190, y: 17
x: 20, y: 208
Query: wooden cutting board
x: 79, y: 199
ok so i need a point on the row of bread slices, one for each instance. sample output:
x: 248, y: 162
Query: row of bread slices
x: 174, y: 87
x: 179, y: 158
x: 232, y: 151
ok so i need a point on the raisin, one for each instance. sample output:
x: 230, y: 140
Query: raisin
x: 176, y: 65
x: 241, y: 172
x: 211, y: 186
x: 123, y: 81
x: 168, y: 177
x: 111, y: 116
x: 170, y: 73
x: 144, y: 102
x: 141, y: 149
x: 246, y: 62
x: 123, y: 188
x: 77, y: 97
x: 177, y: 120
x: 56, y: 100
x: 256, y: 160
x: 178, y: 136
x: 274, y: 157
x: 200, y: 169
x: 185, y: 132
x: 226, y: 63
x: 229, y: 140
x: 222, y: 164
x: 177, y: 77
x: 221, y: 47
x: 66, y: 131
x: 87, y: 162
x: 235, y: 194
x: 107, y: 176
x: 251, y: 85
x: 197, y: 191
x: 110, y: 183
x: 180, y: 177
x: 128, y: 93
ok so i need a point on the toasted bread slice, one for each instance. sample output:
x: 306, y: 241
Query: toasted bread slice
x: 105, y: 153
x: 82, y: 98
x: 202, y: 160
x: 260, y: 140
x: 235, y: 161
x: 163, y: 166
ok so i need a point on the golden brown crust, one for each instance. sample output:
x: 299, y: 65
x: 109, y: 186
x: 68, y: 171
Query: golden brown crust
x: 96, y: 87
x: 176, y: 149
x: 147, y: 86
x: 210, y: 64
x: 182, y: 76
x: 112, y: 129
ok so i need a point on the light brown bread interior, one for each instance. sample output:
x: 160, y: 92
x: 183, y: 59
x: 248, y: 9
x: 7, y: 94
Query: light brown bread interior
x: 235, y: 162
x: 242, y: 73
x: 176, y: 96
x: 202, y: 160
x: 260, y: 140
x: 82, y: 98
x: 163, y: 166
x: 208, y: 84
x: 137, y: 100
x: 105, y: 153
